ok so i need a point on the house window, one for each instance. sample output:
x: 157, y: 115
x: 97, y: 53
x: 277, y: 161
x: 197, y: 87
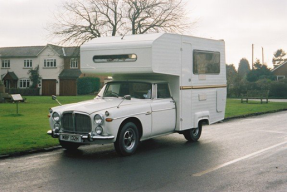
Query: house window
x: 279, y: 77
x: 206, y: 62
x: 24, y: 83
x: 27, y: 63
x: 50, y: 63
x: 74, y: 63
x: 5, y: 63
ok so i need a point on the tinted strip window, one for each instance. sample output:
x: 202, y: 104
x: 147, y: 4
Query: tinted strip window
x: 115, y: 58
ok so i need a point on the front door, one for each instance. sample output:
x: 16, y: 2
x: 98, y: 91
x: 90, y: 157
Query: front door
x: 163, y: 111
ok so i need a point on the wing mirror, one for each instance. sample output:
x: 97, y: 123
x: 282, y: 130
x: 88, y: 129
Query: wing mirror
x: 127, y: 97
x: 54, y: 97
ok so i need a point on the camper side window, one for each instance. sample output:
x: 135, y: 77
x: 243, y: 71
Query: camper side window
x: 206, y: 62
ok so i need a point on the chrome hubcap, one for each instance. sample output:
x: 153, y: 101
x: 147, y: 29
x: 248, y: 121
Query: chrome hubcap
x: 195, y: 131
x: 129, y: 139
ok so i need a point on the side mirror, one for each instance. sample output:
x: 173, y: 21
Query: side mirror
x: 127, y: 97
x: 55, y: 98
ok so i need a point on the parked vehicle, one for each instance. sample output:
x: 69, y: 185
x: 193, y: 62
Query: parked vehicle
x: 162, y: 83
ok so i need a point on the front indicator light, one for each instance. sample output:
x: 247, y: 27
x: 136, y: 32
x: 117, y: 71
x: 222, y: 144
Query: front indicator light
x: 109, y: 119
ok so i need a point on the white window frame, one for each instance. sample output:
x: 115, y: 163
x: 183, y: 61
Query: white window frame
x: 50, y: 63
x: 280, y: 77
x: 28, y: 63
x: 24, y: 83
x: 5, y: 63
x: 74, y: 63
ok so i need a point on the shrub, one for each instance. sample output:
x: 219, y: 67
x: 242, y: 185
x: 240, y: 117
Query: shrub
x: 87, y: 85
x: 278, y: 89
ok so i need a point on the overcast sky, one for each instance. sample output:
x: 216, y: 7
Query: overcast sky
x: 240, y: 23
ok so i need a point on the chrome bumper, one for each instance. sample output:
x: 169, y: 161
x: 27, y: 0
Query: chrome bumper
x: 88, y: 137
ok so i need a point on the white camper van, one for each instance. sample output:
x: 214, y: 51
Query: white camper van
x: 162, y: 83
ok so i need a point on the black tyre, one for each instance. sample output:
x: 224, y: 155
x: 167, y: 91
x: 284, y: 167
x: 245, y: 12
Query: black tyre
x: 193, y: 134
x: 69, y: 146
x: 127, y: 140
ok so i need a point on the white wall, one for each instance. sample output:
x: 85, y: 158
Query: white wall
x: 50, y: 72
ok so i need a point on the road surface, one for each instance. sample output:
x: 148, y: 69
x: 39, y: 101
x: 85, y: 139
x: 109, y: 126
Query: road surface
x: 238, y: 155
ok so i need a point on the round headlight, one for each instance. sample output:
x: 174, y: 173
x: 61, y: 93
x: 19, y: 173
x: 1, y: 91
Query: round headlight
x: 99, y: 130
x: 98, y: 119
x: 56, y: 116
x: 56, y: 126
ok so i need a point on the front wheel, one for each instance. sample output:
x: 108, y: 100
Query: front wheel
x: 69, y: 146
x: 127, y: 140
x: 193, y: 134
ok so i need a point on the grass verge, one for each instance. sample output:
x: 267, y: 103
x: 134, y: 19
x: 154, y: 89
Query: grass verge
x: 27, y: 130
x: 235, y: 108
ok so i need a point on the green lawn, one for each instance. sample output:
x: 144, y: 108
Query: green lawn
x: 235, y: 108
x: 27, y: 131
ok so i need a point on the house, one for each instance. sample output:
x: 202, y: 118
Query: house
x: 59, y: 68
x: 280, y: 71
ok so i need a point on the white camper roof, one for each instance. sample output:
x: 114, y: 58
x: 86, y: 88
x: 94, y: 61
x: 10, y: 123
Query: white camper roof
x: 122, y: 41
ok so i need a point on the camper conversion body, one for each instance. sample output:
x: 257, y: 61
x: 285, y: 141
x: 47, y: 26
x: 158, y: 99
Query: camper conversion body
x: 162, y: 83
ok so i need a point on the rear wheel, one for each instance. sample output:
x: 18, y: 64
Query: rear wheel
x: 193, y: 134
x: 127, y: 140
x: 69, y: 146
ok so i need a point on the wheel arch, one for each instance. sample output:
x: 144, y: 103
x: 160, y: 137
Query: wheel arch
x: 134, y: 120
x: 203, y: 121
x: 202, y: 117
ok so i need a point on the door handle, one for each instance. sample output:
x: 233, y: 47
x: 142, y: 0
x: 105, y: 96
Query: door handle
x: 148, y: 113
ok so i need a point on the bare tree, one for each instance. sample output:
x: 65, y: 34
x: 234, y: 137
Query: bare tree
x: 83, y: 20
x: 156, y: 16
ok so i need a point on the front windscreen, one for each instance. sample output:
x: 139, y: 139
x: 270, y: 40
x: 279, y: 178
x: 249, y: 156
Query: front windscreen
x: 134, y: 89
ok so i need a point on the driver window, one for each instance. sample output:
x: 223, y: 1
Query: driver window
x: 163, y: 91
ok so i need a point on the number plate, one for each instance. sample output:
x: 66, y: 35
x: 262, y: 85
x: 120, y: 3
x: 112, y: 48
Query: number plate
x: 72, y: 138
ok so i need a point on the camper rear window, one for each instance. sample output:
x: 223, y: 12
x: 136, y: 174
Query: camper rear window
x: 115, y: 58
x: 206, y: 62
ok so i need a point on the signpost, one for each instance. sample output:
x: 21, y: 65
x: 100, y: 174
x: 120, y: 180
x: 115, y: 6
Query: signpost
x: 17, y: 98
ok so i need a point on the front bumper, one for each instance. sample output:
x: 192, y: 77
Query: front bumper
x: 86, y: 137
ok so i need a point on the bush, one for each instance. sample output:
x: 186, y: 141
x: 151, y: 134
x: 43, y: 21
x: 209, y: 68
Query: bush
x: 87, y: 85
x: 278, y: 89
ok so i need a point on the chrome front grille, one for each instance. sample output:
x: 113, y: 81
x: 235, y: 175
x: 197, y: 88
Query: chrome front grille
x: 76, y: 123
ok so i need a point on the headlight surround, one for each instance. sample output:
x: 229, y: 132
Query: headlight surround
x: 99, y: 119
x: 56, y: 116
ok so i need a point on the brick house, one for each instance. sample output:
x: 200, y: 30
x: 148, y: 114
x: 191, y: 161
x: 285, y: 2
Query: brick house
x: 59, y: 68
x: 280, y: 71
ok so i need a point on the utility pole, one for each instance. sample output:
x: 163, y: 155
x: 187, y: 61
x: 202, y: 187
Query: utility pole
x: 262, y: 56
x: 252, y: 55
